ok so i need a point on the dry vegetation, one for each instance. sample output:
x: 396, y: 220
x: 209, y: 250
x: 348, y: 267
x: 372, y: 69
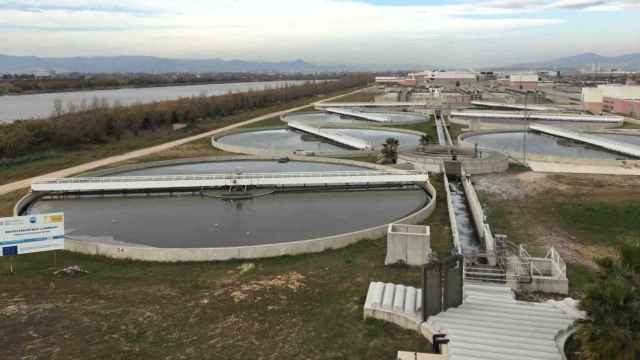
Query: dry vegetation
x: 583, y: 216
x: 307, y: 307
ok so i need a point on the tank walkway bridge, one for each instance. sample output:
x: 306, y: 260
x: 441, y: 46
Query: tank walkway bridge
x: 341, y: 139
x: 506, y: 106
x: 359, y: 114
x: 324, y: 105
x: 537, y: 116
x: 112, y: 184
x: 444, y: 138
x: 615, y: 146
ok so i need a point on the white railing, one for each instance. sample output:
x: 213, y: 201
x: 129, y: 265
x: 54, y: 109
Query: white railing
x: 538, y: 117
x: 339, y: 138
x: 558, y: 264
x: 622, y: 148
x: 229, y: 179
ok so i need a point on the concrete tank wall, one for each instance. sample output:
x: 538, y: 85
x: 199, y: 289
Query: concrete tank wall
x: 146, y: 253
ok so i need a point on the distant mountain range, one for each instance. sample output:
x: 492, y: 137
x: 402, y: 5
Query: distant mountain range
x: 585, y: 61
x: 150, y: 64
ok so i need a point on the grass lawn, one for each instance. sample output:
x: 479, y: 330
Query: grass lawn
x: 302, y: 307
x: 441, y: 240
x: 587, y: 218
x: 427, y: 127
x: 603, y: 222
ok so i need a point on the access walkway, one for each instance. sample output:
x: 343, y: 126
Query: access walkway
x: 607, y: 144
x: 331, y: 135
x: 561, y: 118
x: 195, y: 182
x: 500, y: 106
x: 323, y: 105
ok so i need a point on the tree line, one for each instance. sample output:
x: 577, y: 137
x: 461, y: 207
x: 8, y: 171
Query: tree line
x: 19, y: 84
x: 99, y: 122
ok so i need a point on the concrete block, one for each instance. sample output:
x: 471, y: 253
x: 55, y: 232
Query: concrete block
x: 408, y: 244
x: 398, y: 299
x: 410, y: 299
x: 387, y: 298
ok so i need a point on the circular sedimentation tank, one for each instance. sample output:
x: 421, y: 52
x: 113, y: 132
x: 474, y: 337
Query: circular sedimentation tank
x: 286, y: 140
x: 197, y: 220
x: 513, y: 143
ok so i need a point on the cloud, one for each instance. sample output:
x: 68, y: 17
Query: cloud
x: 316, y: 30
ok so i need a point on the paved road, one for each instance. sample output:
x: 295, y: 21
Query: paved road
x: 22, y: 184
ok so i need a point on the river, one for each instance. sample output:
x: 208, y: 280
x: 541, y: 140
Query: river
x: 15, y: 107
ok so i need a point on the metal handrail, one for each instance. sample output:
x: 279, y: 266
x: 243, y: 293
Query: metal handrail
x: 225, y: 176
x: 623, y: 148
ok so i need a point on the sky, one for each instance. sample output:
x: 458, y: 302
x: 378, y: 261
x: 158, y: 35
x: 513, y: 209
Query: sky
x: 460, y: 33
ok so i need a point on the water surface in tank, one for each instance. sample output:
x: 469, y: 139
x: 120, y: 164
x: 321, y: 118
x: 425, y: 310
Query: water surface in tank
x: 193, y: 221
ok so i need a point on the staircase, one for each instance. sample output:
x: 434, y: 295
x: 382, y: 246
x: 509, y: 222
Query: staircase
x: 492, y: 325
x: 479, y: 273
x: 399, y: 304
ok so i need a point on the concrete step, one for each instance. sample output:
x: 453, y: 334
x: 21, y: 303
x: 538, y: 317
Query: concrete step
x: 496, y: 316
x: 515, y: 310
x: 500, y: 353
x: 477, y: 353
x: 547, y: 346
x: 506, y: 335
x: 489, y: 289
x: 483, y: 325
x: 516, y: 324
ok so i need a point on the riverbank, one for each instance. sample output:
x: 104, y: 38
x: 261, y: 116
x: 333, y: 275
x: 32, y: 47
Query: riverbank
x: 130, y: 147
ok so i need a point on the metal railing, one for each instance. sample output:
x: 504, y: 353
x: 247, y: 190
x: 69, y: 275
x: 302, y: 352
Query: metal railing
x: 558, y: 264
x: 225, y: 176
x: 622, y: 148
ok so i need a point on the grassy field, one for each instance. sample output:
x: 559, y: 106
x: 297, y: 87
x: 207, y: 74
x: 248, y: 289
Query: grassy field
x: 364, y: 96
x: 441, y: 241
x: 307, y: 307
x: 427, y: 127
x: 606, y: 222
x: 583, y: 216
x: 41, y: 163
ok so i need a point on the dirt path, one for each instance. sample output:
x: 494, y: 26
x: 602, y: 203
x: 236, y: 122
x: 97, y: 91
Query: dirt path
x: 22, y: 184
x: 546, y: 167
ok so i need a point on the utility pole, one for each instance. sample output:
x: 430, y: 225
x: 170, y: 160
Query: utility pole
x: 526, y: 128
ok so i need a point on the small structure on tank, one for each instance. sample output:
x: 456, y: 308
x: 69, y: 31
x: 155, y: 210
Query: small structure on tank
x: 408, y: 244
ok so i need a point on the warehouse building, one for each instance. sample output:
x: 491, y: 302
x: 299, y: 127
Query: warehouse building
x: 520, y: 81
x: 619, y: 99
x: 444, y: 78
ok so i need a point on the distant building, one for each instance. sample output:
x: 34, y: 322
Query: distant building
x: 43, y: 74
x: 619, y: 99
x: 446, y: 78
x: 526, y: 81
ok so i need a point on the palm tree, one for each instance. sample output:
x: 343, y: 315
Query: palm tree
x: 425, y: 140
x: 390, y: 150
x: 612, y: 304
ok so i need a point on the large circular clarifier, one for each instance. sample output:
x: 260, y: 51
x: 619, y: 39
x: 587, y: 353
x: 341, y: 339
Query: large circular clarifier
x: 293, y: 140
x: 546, y: 145
x: 194, y: 221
